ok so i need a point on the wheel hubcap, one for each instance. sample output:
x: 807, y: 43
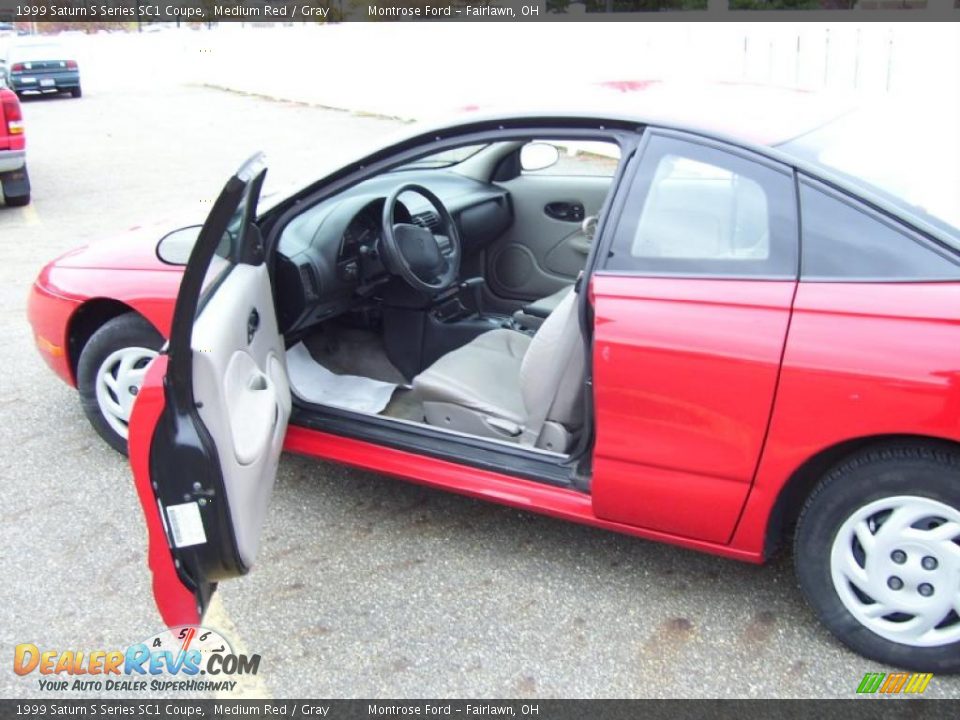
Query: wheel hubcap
x: 895, y: 563
x: 118, y: 382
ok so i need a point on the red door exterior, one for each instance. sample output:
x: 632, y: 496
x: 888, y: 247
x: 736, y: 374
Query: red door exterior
x: 685, y: 373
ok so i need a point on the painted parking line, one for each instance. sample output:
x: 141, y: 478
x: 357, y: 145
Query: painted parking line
x: 248, y: 686
x: 29, y: 215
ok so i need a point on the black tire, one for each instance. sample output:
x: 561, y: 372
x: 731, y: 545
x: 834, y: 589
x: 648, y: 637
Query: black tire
x: 123, y: 331
x: 18, y: 200
x: 921, y: 470
x: 76, y: 92
x: 16, y: 188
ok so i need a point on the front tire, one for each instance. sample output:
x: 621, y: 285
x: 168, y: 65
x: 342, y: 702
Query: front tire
x: 110, y: 372
x: 877, y: 554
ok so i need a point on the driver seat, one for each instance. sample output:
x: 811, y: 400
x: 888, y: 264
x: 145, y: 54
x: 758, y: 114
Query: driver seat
x: 507, y: 385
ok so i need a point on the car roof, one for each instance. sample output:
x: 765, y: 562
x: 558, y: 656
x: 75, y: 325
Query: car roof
x: 754, y: 114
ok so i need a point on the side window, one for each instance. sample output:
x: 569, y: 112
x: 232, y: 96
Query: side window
x: 843, y: 242
x: 697, y: 210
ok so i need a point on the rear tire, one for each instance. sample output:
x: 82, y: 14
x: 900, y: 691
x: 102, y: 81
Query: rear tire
x: 18, y: 200
x: 76, y: 92
x: 16, y: 187
x: 110, y: 373
x: 877, y: 554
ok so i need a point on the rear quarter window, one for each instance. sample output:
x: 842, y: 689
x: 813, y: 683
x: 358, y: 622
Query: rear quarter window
x: 842, y: 240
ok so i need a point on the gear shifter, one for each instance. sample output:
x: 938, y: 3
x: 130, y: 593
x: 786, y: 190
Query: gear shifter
x: 475, y: 285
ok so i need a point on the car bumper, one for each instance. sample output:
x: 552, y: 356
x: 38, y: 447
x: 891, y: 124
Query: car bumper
x: 48, y: 314
x: 11, y: 160
x: 47, y: 82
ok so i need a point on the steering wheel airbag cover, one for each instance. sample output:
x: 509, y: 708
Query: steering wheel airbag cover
x: 420, y: 250
x: 414, y: 252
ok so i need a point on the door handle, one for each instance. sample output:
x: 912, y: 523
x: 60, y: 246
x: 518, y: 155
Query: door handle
x: 565, y: 211
x: 253, y: 324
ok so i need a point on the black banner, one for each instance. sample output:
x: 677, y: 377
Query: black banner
x: 868, y: 709
x: 295, y: 11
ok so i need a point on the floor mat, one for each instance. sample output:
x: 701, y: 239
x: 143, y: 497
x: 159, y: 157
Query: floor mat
x: 312, y: 382
x: 405, y: 405
x: 352, y: 351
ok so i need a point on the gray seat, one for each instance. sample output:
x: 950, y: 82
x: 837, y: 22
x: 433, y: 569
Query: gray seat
x: 531, y: 316
x: 508, y: 385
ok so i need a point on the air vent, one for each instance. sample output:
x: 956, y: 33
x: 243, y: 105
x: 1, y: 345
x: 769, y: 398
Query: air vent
x: 308, y: 279
x: 429, y: 220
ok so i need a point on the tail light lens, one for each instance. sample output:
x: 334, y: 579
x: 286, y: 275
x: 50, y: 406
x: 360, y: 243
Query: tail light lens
x: 71, y: 64
x: 12, y: 118
x: 17, y: 67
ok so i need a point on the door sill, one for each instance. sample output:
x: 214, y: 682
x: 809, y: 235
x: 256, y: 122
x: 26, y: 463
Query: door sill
x: 482, y: 453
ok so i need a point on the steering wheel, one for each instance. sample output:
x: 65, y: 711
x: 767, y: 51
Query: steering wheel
x: 417, y: 254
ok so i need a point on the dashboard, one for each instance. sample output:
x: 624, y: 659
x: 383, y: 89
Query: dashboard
x: 328, y: 257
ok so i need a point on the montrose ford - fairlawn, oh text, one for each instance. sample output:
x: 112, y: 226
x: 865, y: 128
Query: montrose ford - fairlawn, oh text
x: 428, y: 709
x: 428, y: 11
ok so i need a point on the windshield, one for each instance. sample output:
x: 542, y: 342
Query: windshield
x: 910, y: 158
x: 444, y: 158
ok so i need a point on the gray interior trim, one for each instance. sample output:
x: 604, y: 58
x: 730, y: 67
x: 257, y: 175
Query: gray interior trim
x: 242, y: 395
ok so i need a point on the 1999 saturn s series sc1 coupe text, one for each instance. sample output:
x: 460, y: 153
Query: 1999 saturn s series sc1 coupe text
x: 743, y: 326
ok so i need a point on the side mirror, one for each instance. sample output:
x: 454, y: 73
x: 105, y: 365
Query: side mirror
x: 538, y: 156
x: 175, y: 247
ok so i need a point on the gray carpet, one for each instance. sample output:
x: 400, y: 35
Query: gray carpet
x: 350, y: 351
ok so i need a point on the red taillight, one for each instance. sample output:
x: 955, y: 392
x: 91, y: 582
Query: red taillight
x: 12, y: 118
x: 71, y: 64
x: 17, y: 67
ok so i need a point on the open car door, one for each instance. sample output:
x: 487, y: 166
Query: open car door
x: 208, y: 425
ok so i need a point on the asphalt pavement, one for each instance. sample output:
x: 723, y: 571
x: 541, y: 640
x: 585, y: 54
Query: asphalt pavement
x: 365, y: 586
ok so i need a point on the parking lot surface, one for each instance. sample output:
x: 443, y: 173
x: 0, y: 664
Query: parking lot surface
x: 365, y: 586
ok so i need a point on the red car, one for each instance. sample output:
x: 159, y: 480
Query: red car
x: 704, y: 328
x: 14, y: 181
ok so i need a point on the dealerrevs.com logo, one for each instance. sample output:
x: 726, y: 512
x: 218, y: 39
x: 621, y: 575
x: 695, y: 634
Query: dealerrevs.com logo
x: 191, y: 659
x: 894, y: 683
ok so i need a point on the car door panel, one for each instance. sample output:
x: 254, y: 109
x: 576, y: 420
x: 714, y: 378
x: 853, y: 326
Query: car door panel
x: 684, y: 380
x: 243, y: 396
x: 210, y: 420
x: 175, y: 600
x: 691, y: 311
x: 540, y: 253
x: 567, y: 257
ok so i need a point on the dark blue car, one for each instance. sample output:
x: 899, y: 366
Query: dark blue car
x: 41, y: 66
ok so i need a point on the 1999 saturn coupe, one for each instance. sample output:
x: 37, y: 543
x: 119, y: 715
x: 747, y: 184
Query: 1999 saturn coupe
x: 731, y: 322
